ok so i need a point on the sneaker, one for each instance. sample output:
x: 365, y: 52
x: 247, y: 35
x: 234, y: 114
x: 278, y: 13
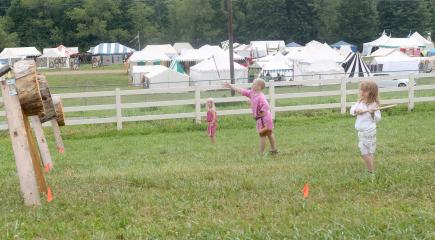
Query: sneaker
x: 273, y: 152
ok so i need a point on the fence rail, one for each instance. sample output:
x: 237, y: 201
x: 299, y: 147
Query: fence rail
x: 197, y: 101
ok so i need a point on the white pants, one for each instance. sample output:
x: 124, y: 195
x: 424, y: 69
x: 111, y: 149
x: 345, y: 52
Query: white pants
x: 367, y: 141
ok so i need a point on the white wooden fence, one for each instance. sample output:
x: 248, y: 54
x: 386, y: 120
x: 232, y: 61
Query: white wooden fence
x: 197, y: 101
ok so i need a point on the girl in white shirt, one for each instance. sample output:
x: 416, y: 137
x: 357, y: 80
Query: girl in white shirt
x: 367, y: 115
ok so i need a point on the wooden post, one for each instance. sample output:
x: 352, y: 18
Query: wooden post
x: 343, y: 95
x: 36, y: 159
x: 42, y: 143
x: 411, y: 103
x: 118, y: 109
x: 197, y: 104
x: 272, y: 97
x: 57, y: 136
x: 20, y: 146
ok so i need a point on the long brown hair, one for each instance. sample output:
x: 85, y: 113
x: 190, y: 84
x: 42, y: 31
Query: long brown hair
x: 372, y: 88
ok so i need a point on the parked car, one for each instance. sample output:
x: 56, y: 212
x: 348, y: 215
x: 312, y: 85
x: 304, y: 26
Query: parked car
x: 395, y: 82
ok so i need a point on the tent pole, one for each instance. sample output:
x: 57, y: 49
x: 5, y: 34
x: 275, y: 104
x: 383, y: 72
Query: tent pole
x: 230, y: 39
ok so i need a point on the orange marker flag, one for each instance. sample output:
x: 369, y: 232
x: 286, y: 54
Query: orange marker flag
x: 61, y: 150
x: 47, y: 167
x: 306, y: 190
x: 49, y: 195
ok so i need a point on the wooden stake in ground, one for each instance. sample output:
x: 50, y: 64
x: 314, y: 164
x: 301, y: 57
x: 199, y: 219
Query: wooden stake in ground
x: 42, y: 143
x: 57, y: 136
x: 20, y: 144
x: 36, y: 159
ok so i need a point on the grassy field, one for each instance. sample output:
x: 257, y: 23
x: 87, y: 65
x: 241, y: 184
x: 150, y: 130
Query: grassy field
x: 163, y: 180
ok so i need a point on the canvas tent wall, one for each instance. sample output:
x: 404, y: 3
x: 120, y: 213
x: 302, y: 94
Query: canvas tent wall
x: 293, y: 44
x: 109, y: 53
x: 11, y: 55
x: 216, y: 69
x: 278, y: 68
x: 315, y: 51
x: 397, y: 63
x: 319, y: 70
x: 59, y: 57
x: 158, y: 77
x: 354, y: 66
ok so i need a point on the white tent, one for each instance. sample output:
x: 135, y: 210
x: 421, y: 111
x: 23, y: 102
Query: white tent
x: 243, y: 50
x: 15, y: 54
x: 157, y: 76
x: 148, y: 56
x: 402, y: 43
x: 367, y: 47
x: 345, y: 50
x: 315, y: 51
x: 321, y: 70
x: 181, y: 46
x: 428, y: 44
x: 216, y: 69
x: 264, y: 48
x: 193, y: 55
x: 397, y: 63
x: 166, y: 49
x: 277, y: 66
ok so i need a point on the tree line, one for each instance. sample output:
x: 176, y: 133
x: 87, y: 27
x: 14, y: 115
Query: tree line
x: 85, y: 23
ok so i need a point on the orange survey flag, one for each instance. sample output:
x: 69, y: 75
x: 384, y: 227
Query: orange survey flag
x: 47, y: 167
x: 49, y: 195
x: 306, y: 190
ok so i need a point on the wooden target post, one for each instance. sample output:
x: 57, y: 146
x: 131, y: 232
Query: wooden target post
x: 58, y: 121
x: 22, y: 98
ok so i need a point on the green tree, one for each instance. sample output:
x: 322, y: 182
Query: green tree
x: 192, y: 20
x: 95, y: 22
x: 7, y: 39
x: 326, y: 25
x: 358, y: 20
x: 140, y: 17
x: 302, y: 20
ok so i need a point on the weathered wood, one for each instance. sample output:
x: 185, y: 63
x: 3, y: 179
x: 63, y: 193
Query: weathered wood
x: 47, y: 102
x: 4, y: 69
x: 42, y: 143
x: 36, y: 159
x: 20, y: 146
x: 57, y: 136
x: 28, y: 87
x: 58, y: 106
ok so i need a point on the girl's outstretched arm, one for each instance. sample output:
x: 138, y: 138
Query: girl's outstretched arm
x: 236, y: 89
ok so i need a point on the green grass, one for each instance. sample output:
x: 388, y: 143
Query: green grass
x: 163, y: 180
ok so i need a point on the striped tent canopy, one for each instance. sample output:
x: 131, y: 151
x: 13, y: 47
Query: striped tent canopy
x: 110, y: 49
x: 354, y: 66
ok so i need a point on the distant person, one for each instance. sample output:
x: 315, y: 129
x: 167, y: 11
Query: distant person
x: 261, y: 112
x: 367, y: 115
x: 211, y: 120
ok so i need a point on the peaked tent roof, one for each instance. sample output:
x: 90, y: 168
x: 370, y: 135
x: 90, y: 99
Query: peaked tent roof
x: 19, y: 52
x: 422, y: 40
x: 216, y: 63
x: 143, y: 56
x: 367, y: 47
x: 60, y: 51
x: 110, y: 49
x: 277, y: 63
x: 176, y: 66
x: 402, y: 43
x: 315, y: 51
x: 354, y: 66
x: 178, y: 46
x: 382, y: 52
x: 162, y: 48
x: 293, y: 44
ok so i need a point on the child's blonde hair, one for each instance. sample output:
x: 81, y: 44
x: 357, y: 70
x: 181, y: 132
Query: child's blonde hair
x: 371, y: 87
x: 261, y: 83
x: 213, y: 106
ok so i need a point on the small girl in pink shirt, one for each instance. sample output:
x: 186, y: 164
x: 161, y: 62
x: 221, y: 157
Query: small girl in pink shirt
x: 211, y: 120
x: 261, y: 112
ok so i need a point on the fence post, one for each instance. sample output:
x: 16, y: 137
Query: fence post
x: 272, y: 98
x: 343, y: 95
x: 118, y: 109
x: 197, y: 104
x: 411, y: 92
